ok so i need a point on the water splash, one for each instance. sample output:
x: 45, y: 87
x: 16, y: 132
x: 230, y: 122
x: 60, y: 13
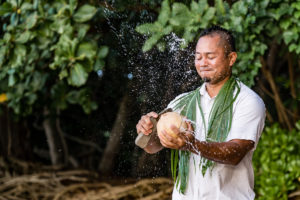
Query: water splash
x: 158, y: 76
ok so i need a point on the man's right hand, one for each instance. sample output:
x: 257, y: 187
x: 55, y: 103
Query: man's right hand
x: 145, y: 125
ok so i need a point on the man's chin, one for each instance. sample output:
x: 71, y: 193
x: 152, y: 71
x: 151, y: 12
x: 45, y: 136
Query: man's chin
x: 206, y: 79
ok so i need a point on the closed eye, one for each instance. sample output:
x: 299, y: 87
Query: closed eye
x: 211, y: 57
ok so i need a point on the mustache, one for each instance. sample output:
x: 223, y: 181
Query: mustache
x: 205, y: 68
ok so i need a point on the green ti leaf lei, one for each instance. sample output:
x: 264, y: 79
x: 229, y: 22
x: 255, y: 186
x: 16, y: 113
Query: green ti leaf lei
x: 219, y: 124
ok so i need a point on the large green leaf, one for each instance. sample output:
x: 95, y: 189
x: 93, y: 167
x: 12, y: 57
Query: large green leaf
x: 86, y: 50
x: 102, y: 52
x: 200, y: 7
x: 19, y: 56
x: 38, y: 81
x: 5, y: 8
x: 82, y: 29
x: 164, y: 13
x: 220, y: 6
x: 73, y: 5
x: 62, y: 25
x: 209, y: 14
x: 78, y: 75
x: 284, y: 24
x: 31, y: 20
x: 149, y: 28
x: 84, y: 13
x: 24, y: 37
x: 26, y: 6
x: 289, y: 36
x: 181, y: 16
x: 151, y: 41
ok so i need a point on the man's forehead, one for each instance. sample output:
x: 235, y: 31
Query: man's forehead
x: 210, y: 43
x: 207, y: 52
x: 214, y: 36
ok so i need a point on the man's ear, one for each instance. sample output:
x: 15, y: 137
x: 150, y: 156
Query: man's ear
x: 232, y: 58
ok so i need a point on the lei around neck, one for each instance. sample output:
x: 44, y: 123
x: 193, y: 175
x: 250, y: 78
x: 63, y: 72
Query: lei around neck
x: 219, y: 124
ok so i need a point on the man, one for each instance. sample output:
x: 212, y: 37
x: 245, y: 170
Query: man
x: 229, y: 120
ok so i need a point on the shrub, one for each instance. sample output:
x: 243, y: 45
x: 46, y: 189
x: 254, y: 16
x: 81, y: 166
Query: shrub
x: 277, y: 162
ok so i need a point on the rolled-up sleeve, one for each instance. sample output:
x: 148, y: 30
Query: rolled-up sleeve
x: 248, y: 119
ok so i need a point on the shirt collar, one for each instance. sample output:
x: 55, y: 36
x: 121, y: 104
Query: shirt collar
x: 204, y: 92
x: 203, y: 89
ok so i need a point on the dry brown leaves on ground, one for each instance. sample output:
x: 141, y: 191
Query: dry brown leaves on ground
x: 73, y: 185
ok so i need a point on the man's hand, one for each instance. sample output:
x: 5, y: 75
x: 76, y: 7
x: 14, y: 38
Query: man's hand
x: 184, y: 141
x: 145, y: 125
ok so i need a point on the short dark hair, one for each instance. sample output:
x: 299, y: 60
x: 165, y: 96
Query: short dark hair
x: 224, y: 34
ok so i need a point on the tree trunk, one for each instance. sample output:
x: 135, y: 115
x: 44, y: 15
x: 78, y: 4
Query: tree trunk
x: 56, y: 143
x: 113, y: 144
x: 14, y: 137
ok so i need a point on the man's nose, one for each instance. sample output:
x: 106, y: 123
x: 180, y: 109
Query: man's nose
x: 203, y: 62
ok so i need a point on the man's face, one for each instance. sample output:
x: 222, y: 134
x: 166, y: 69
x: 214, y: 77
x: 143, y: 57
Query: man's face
x: 211, y: 62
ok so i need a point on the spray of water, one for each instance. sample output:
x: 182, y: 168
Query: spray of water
x: 156, y: 77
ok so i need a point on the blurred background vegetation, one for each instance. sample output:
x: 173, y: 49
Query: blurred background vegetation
x: 76, y: 76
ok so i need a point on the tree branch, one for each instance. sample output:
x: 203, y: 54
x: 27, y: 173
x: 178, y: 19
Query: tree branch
x: 61, y: 136
x: 83, y: 142
x: 291, y: 75
x: 283, y: 118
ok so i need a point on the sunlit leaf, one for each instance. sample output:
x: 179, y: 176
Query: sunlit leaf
x: 24, y: 37
x: 148, y: 28
x: 86, y: 49
x: 220, y: 6
x: 289, y: 36
x: 103, y: 51
x: 78, y: 75
x: 164, y: 13
x: 151, y: 41
x: 73, y: 5
x: 82, y: 30
x: 31, y: 20
x: 181, y: 16
x: 84, y: 13
x: 209, y: 14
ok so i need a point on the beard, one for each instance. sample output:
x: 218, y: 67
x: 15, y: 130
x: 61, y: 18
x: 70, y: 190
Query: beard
x: 206, y: 79
x: 217, y: 77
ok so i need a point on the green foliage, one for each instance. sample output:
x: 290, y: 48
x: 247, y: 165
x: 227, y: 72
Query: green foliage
x: 276, y: 162
x: 45, y: 45
x: 254, y: 23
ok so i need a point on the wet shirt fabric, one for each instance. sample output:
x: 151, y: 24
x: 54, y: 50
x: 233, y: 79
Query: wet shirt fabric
x: 226, y: 182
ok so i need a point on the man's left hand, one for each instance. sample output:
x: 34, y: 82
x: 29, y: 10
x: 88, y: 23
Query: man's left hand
x: 183, y: 141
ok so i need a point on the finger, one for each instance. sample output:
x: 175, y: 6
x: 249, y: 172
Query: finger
x: 189, y: 126
x: 162, y: 136
x: 143, y: 124
x: 169, y: 141
x: 147, y: 129
x: 143, y: 130
x: 146, y: 122
x: 163, y: 143
x: 174, y: 129
x: 152, y: 114
x: 168, y: 144
x: 169, y: 137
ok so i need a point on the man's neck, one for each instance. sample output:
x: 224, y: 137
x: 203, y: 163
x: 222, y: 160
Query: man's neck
x: 214, y: 89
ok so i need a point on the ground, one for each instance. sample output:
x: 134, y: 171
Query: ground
x: 48, y: 183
